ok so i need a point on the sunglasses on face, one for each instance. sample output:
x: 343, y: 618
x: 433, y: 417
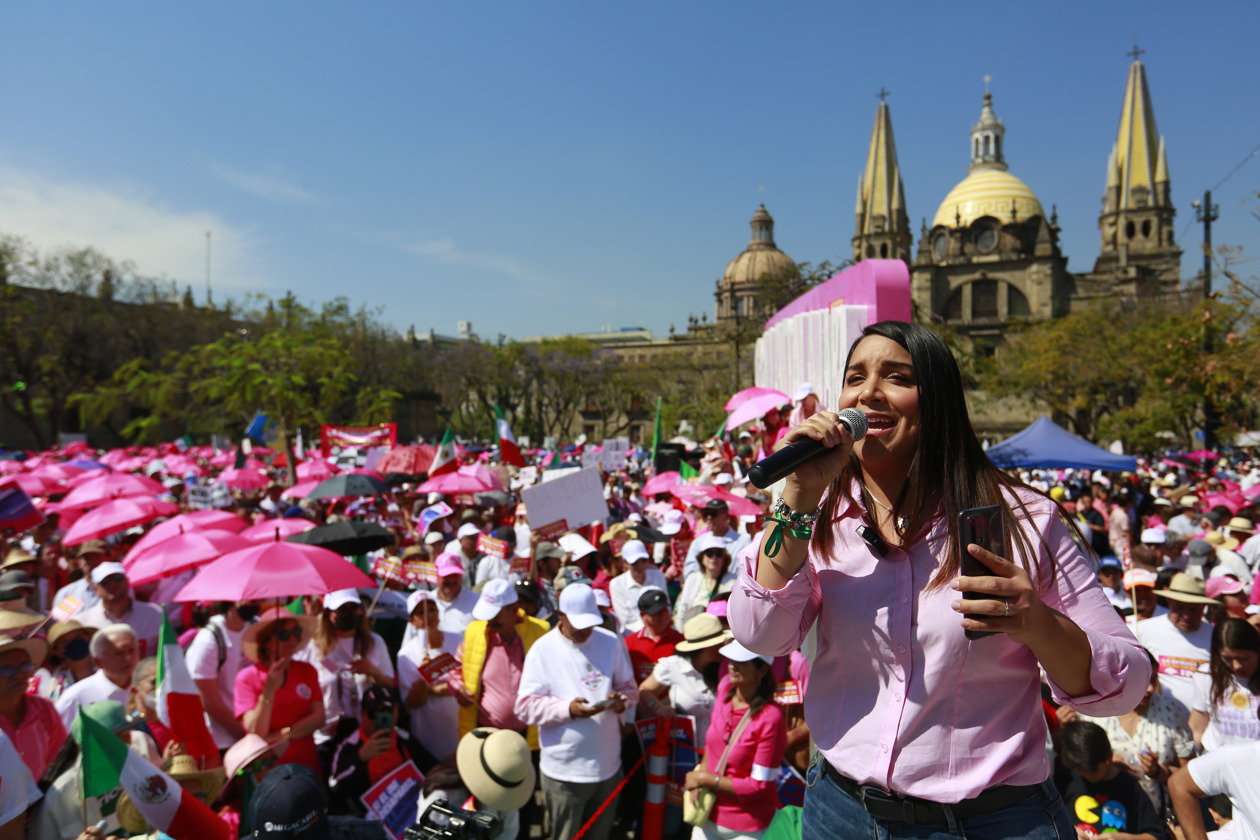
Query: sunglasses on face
x: 294, y: 633
x: 25, y: 669
x: 714, y: 552
x: 113, y: 579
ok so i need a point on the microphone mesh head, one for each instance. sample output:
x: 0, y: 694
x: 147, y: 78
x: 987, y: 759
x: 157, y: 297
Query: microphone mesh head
x: 856, y: 421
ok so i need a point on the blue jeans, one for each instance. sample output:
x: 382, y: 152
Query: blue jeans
x: 831, y: 813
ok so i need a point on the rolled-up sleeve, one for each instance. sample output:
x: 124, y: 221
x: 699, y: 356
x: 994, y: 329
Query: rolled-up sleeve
x: 772, y: 622
x: 1120, y: 669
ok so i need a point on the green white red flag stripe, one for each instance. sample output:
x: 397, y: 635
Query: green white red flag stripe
x: 179, y: 702
x: 109, y: 763
x: 509, y: 452
x: 444, y: 460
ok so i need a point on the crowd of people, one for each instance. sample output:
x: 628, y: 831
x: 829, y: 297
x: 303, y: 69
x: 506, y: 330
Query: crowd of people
x: 517, y: 682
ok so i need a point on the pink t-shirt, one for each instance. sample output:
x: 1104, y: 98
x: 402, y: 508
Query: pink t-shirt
x: 39, y: 736
x: 500, y: 677
x: 292, y: 703
x: 752, y: 765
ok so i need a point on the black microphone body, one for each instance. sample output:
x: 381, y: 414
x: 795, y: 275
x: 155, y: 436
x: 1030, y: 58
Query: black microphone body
x: 777, y: 465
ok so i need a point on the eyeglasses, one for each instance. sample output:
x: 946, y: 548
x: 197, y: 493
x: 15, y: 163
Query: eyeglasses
x: 294, y: 633
x: 25, y: 669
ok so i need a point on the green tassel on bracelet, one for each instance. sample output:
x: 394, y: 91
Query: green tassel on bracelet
x: 774, y: 541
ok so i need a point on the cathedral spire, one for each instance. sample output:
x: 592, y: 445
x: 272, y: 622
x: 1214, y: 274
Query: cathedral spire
x: 882, y: 226
x: 1137, y: 215
x: 986, y: 137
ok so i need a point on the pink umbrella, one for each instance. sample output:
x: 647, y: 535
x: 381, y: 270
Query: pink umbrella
x: 115, y: 516
x: 11, y: 467
x: 301, y: 490
x: 456, y: 482
x: 106, y: 486
x: 33, y: 485
x: 186, y: 523
x: 740, y: 397
x: 255, y: 464
x: 180, y: 553
x: 1252, y: 492
x: 244, y: 479
x: 484, y: 473
x: 223, y: 459
x: 276, y: 530
x: 408, y: 460
x: 57, y: 472
x: 318, y: 470
x: 661, y: 483
x: 697, y: 494
x: 755, y: 408
x: 274, y: 570
x: 133, y: 464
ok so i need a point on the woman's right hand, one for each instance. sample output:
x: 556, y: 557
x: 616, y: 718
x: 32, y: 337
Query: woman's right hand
x: 275, y: 676
x: 805, y: 487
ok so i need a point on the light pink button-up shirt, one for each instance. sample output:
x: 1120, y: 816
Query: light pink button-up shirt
x: 898, y: 697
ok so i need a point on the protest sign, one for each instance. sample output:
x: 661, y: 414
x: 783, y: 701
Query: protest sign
x: 578, y: 499
x: 787, y: 693
x: 395, y: 799
x: 66, y: 609
x: 200, y: 497
x: 591, y: 458
x: 615, y: 452
x: 528, y: 475
x: 424, y: 571
x: 436, y: 669
x: 791, y: 785
x: 492, y: 547
x: 432, y: 514
x: 552, y: 530
x: 560, y: 472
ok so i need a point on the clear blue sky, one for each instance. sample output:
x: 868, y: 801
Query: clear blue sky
x: 540, y: 168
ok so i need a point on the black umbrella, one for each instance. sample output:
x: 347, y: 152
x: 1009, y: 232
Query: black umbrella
x: 346, y: 538
x: 351, y: 484
x: 492, y: 498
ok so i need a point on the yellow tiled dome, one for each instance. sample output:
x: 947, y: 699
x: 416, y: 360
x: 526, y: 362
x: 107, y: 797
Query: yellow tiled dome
x: 987, y: 192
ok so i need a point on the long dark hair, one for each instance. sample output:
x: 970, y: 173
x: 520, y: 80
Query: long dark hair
x: 950, y: 464
x: 1240, y: 635
x: 765, y: 690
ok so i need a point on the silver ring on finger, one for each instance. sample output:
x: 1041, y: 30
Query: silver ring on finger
x: 1008, y: 608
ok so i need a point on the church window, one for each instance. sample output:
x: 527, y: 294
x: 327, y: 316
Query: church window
x: 953, y: 307
x: 883, y: 250
x: 997, y: 145
x: 984, y: 299
x: 1129, y: 230
x: 940, y: 245
x: 1016, y: 303
x: 1146, y: 229
x: 986, y: 145
x: 870, y: 250
x: 977, y: 151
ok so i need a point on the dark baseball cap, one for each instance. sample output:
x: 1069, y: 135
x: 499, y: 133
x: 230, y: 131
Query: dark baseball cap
x: 715, y: 506
x: 379, y: 698
x: 653, y: 601
x: 291, y: 803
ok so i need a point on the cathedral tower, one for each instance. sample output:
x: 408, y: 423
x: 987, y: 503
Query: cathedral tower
x: 1138, y: 251
x: 740, y: 288
x: 883, y: 228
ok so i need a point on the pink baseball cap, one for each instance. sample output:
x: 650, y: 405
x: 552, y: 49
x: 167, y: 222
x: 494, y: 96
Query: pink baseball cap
x: 449, y: 564
x: 1218, y: 586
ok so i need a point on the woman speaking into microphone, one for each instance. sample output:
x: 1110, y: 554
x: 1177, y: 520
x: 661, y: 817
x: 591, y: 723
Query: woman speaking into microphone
x: 916, y: 721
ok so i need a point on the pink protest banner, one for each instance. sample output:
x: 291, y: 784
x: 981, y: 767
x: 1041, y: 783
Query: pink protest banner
x: 424, y: 571
x: 787, y: 693
x: 395, y: 799
x: 553, y: 531
x: 435, y: 670
x: 520, y: 566
x: 66, y: 609
x: 492, y: 547
x: 363, y: 437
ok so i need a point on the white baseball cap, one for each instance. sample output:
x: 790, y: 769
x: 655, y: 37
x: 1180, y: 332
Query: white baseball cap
x: 495, y: 595
x: 414, y: 599
x: 1154, y: 536
x: 468, y: 530
x: 577, y: 602
x: 106, y: 569
x: 736, y: 652
x: 434, y: 537
x: 602, y: 599
x: 672, y: 522
x: 803, y: 391
x: 336, y: 600
x: 577, y: 545
x: 634, y: 551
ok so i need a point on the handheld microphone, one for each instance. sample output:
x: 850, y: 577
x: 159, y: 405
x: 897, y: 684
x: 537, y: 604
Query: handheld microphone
x: 790, y: 458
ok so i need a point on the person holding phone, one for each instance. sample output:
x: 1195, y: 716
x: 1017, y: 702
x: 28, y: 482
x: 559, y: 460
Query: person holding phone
x: 372, y: 752
x: 915, y: 722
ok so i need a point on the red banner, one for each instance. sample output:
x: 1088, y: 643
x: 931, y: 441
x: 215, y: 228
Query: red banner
x: 382, y: 434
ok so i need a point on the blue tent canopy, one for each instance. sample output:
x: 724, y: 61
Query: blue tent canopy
x: 1045, y: 445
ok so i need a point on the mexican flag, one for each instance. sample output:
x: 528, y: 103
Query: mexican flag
x: 509, y: 452
x: 179, y: 702
x: 444, y: 460
x: 109, y: 763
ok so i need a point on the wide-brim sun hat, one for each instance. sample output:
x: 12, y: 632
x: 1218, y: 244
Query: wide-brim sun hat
x: 36, y: 648
x: 702, y: 631
x: 248, y: 750
x: 249, y: 641
x: 495, y: 766
x: 1187, y: 590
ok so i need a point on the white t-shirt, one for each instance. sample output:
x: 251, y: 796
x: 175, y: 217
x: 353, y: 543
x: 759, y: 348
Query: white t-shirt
x: 1180, y: 655
x: 202, y: 657
x: 688, y: 693
x: 490, y: 567
x: 1231, y: 721
x: 624, y: 593
x: 1232, y: 771
x: 436, y: 723
x: 587, y: 749
x: 18, y: 790
x: 456, y: 615
x: 84, y: 693
x: 145, y: 619
x: 342, y: 688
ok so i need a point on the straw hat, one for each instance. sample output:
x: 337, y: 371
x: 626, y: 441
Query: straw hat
x: 248, y: 750
x: 1186, y: 589
x: 17, y: 617
x: 249, y: 641
x: 496, y: 768
x: 61, y: 628
x: 1219, y: 540
x: 16, y: 557
x: 702, y: 631
x: 36, y: 649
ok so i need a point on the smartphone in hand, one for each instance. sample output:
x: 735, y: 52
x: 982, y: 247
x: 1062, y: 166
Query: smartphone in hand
x: 384, y: 720
x: 603, y: 704
x: 982, y: 526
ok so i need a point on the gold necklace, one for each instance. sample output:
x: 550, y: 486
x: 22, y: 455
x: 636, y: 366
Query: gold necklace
x: 901, y: 523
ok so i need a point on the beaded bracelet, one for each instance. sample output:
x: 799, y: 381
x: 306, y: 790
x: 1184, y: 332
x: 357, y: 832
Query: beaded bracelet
x: 799, y: 525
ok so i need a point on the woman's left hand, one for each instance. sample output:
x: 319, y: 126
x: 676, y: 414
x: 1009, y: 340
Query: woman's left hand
x: 698, y: 779
x: 1009, y: 602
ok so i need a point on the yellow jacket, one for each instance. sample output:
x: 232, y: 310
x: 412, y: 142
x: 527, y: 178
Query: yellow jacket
x: 475, y: 647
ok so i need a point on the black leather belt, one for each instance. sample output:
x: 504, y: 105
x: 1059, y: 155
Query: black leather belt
x: 912, y: 810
